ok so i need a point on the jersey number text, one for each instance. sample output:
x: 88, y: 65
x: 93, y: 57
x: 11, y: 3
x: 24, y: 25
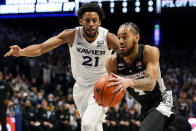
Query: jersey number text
x: 88, y: 61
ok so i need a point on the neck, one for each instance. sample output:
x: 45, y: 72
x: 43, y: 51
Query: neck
x: 89, y: 39
x: 130, y: 58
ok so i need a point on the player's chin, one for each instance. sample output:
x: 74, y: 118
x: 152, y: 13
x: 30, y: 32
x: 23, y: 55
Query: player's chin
x: 122, y: 50
x: 91, y: 35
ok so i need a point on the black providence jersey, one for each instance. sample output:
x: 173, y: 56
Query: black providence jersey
x: 148, y: 99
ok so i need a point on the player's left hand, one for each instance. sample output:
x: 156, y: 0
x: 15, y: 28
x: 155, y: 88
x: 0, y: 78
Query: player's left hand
x: 122, y: 83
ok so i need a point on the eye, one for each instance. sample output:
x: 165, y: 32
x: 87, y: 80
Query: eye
x: 94, y: 20
x: 87, y: 20
x: 124, y: 37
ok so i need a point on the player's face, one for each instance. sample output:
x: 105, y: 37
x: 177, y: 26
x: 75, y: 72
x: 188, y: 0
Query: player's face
x: 128, y: 40
x: 90, y: 22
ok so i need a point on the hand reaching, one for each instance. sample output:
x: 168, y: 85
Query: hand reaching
x: 14, y: 51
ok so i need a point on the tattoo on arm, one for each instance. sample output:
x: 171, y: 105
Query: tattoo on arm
x: 144, y: 83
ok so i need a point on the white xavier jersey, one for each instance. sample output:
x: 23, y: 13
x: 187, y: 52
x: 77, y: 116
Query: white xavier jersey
x: 88, y: 59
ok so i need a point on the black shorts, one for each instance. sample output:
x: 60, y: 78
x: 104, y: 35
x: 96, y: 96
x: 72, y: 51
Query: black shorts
x: 154, y: 121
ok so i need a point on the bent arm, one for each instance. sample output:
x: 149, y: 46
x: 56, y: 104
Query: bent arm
x: 111, y: 64
x: 151, y: 58
x: 112, y: 41
x: 67, y: 36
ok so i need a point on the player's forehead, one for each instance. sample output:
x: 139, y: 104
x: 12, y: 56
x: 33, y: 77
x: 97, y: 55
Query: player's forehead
x: 123, y: 31
x: 90, y: 15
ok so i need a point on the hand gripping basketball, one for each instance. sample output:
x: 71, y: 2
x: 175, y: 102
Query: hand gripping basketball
x: 104, y: 95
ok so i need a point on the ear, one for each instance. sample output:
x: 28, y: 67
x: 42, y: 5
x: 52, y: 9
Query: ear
x: 137, y: 37
x: 80, y: 21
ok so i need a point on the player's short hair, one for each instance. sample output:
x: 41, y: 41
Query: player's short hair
x: 91, y: 7
x: 132, y: 27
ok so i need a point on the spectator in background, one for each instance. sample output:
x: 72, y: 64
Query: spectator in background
x: 36, y: 70
x: 193, y: 106
x: 63, y: 119
x: 29, y: 118
x: 6, y: 93
x: 11, y: 109
x: 60, y: 76
x: 47, y: 73
x: 33, y: 93
x: 134, y: 120
x: 58, y: 91
x: 40, y: 96
x: 46, y: 117
x: 33, y: 82
x: 51, y: 99
x: 124, y: 118
x: 114, y: 118
x: 46, y: 86
x: 137, y: 107
x: 183, y: 104
x: 70, y: 99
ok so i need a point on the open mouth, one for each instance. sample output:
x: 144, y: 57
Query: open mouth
x: 91, y: 31
x: 122, y: 47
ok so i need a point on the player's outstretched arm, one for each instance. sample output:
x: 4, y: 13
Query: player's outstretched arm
x: 67, y: 36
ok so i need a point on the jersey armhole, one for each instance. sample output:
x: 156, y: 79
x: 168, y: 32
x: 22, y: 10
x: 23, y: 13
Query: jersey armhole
x: 105, y: 31
x: 77, y: 35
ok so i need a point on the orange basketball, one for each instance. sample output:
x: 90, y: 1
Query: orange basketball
x: 104, y: 95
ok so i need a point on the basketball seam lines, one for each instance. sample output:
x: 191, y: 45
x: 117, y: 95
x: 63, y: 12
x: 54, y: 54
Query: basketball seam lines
x: 112, y: 98
x: 103, y: 90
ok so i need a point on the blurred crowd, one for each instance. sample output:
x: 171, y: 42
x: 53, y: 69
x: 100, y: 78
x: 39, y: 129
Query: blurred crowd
x: 43, y: 85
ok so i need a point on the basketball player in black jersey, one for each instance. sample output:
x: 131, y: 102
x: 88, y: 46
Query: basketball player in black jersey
x: 136, y: 69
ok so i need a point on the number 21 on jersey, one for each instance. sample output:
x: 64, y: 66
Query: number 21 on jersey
x: 88, y: 61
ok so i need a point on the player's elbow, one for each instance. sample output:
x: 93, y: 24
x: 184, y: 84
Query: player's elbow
x: 41, y: 49
x: 151, y: 86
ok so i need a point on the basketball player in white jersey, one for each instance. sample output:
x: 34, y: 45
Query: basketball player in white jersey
x: 89, y: 47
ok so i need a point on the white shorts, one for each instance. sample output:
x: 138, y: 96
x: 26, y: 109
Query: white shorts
x: 89, y: 110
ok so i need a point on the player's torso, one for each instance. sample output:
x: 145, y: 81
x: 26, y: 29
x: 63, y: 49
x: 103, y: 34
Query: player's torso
x: 137, y: 71
x: 88, y: 59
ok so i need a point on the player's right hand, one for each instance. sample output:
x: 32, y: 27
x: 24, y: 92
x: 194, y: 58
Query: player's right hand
x: 14, y: 51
